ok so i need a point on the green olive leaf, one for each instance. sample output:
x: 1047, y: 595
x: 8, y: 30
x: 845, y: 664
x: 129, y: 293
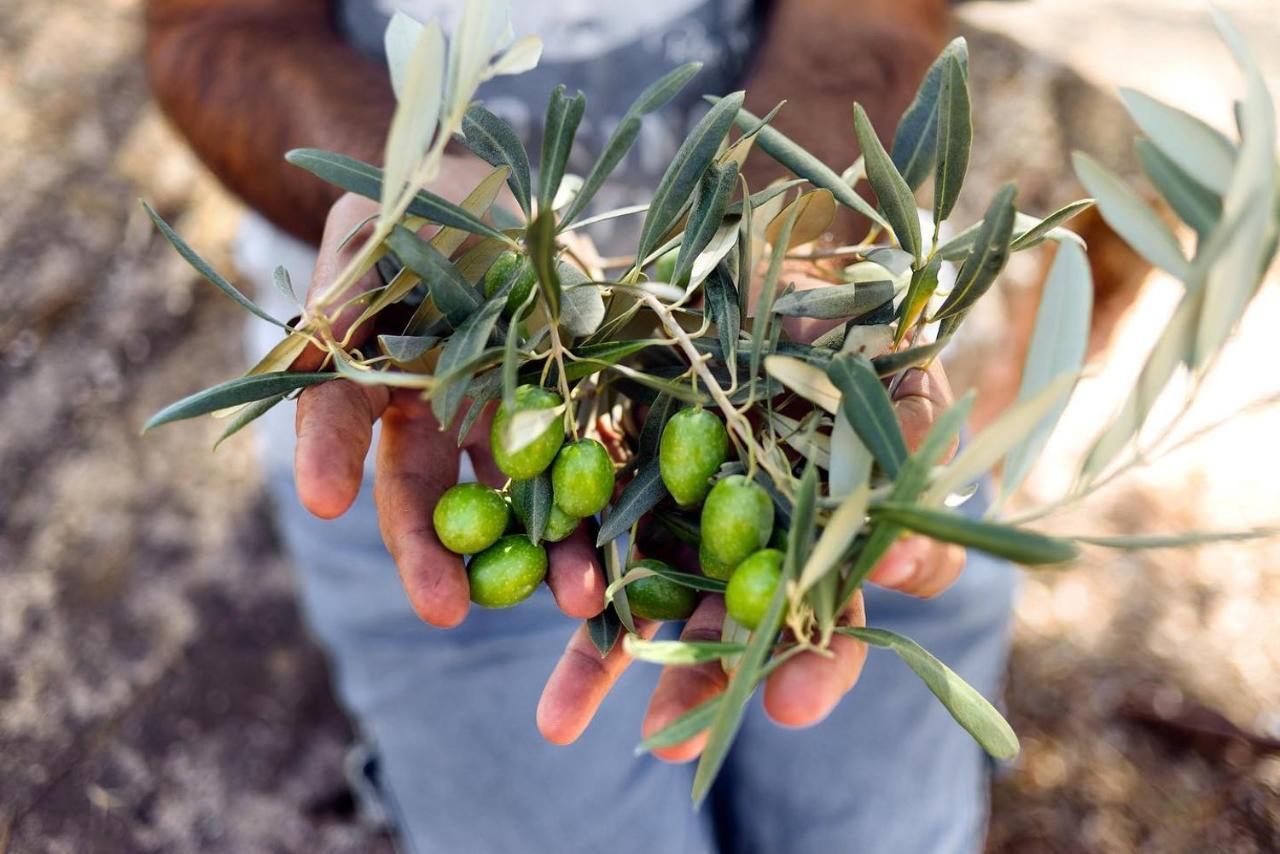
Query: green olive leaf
x: 1197, y: 149
x: 624, y: 136
x: 955, y: 136
x: 541, y: 240
x: 891, y: 189
x: 495, y: 142
x: 467, y: 342
x: 603, y: 629
x: 531, y: 501
x: 233, y: 393
x: 969, y: 708
x: 866, y: 404
x: 706, y: 217
x: 453, y: 295
x: 833, y: 302
x: 675, y: 652
x: 1007, y: 541
x: 639, y: 496
x: 803, y: 164
x: 558, y: 131
x: 204, y: 269
x: 989, y: 255
x: 915, y: 144
x: 1131, y: 218
x: 691, y: 160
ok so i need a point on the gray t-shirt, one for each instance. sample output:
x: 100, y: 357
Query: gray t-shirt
x: 609, y: 50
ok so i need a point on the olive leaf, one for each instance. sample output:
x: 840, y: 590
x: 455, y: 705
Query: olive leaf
x: 248, y: 415
x: 204, y: 269
x: 406, y: 348
x: 1058, y: 346
x: 558, y: 131
x: 837, y: 538
x: 1249, y: 209
x: 769, y: 289
x: 1131, y: 218
x: 416, y: 115
x: 811, y: 383
x: 803, y: 164
x: 683, y: 728
x: 582, y: 307
x: 915, y: 144
x: 728, y: 716
x: 721, y: 296
x: 1016, y: 424
x: 675, y: 652
x: 706, y: 217
x: 867, y: 406
x: 1050, y: 226
x: 969, y: 708
x: 804, y: 523
x: 1194, y: 205
x: 655, y: 96
x: 233, y: 393
x: 815, y: 212
x: 955, y: 136
x: 691, y: 160
x: 924, y: 281
x: 603, y: 629
x: 453, y: 295
x: 463, y: 346
x: 989, y: 255
x: 531, y: 501
x: 685, y: 579
x: 495, y: 142
x: 284, y: 285
x: 1177, y: 541
x: 1174, y: 347
x: 1196, y: 148
x: 888, y: 364
x: 1007, y: 541
x: 892, y: 190
x: 639, y: 496
x: 835, y: 301
x: 541, y: 240
x: 660, y: 412
x: 907, y: 487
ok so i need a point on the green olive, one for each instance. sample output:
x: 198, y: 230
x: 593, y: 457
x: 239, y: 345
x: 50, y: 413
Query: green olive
x: 507, y: 572
x: 664, y: 269
x: 470, y: 517
x: 559, y: 525
x: 508, y: 265
x: 531, y: 460
x: 693, y: 447
x: 737, y: 520
x: 656, y: 598
x: 752, y: 586
x: 582, y: 478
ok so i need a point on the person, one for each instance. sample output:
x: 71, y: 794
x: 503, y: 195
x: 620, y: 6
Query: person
x: 446, y: 707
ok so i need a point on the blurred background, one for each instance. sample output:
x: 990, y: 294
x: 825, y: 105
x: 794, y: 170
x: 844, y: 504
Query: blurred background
x: 157, y: 691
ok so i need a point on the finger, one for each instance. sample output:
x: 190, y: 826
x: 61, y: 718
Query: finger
x: 919, y: 566
x: 417, y: 462
x: 331, y: 260
x: 574, y: 576
x: 334, y: 425
x: 805, y: 689
x: 686, y: 687
x: 919, y: 399
x: 579, y: 683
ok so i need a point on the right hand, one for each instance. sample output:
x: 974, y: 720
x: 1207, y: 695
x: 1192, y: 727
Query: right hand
x: 417, y: 461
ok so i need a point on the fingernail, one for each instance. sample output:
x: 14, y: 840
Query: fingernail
x: 896, y: 573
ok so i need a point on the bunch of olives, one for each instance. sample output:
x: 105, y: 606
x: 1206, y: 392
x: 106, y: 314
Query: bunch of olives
x: 507, y: 566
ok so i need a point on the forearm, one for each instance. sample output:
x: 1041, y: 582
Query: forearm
x: 247, y: 81
x: 822, y: 55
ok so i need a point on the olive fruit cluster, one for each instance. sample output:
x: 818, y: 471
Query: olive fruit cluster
x: 737, y: 513
x: 473, y: 519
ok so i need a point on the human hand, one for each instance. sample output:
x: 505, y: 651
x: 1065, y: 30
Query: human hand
x: 416, y: 461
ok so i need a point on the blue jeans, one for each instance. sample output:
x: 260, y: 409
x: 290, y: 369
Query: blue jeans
x: 450, y: 716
